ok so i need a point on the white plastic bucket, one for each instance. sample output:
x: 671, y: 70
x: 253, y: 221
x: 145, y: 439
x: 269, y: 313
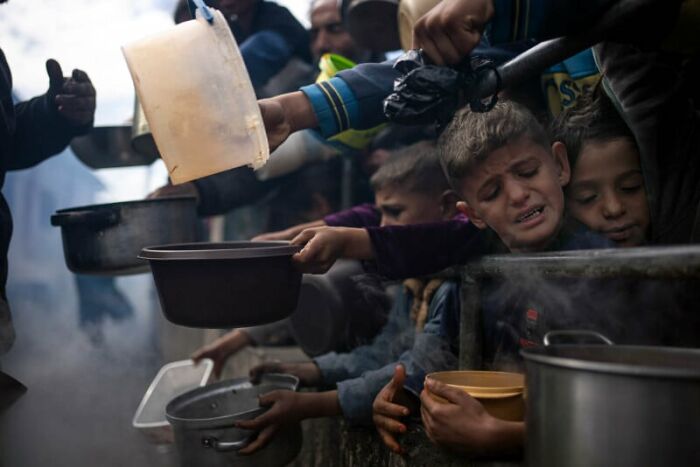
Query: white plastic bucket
x: 198, y: 99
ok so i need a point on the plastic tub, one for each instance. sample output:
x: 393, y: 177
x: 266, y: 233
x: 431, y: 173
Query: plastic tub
x: 501, y: 393
x: 172, y: 380
x: 198, y: 99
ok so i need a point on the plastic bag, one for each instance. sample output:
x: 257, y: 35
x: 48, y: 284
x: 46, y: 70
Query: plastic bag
x: 430, y: 94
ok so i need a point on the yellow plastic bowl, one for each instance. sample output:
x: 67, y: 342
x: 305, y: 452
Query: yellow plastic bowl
x: 501, y: 394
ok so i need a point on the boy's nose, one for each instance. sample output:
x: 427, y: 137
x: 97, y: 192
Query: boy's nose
x: 612, y: 207
x: 517, y: 193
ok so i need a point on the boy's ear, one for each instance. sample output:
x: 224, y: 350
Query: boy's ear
x: 561, y: 159
x: 448, y: 204
x: 464, y: 208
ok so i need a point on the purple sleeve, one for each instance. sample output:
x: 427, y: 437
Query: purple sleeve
x: 363, y: 215
x: 417, y: 250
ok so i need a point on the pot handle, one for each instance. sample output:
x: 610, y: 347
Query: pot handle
x: 570, y: 333
x: 96, y: 219
x: 226, y: 446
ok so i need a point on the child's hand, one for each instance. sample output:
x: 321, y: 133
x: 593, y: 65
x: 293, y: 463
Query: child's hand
x: 307, y: 372
x: 285, y: 407
x: 463, y: 424
x: 324, y: 245
x: 221, y: 349
x: 385, y: 412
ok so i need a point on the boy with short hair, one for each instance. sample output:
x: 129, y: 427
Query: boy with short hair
x: 510, y: 180
x: 607, y: 191
x: 422, y: 329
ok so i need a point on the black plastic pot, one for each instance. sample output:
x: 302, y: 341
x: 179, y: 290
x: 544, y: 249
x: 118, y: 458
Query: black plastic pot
x: 203, y: 424
x: 107, y: 238
x: 223, y: 285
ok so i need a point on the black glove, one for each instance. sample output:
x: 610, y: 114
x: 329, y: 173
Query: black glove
x: 73, y: 98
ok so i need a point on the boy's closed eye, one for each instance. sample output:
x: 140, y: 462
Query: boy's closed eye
x: 391, y: 211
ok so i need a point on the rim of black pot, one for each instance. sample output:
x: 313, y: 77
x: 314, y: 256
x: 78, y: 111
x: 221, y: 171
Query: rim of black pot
x: 594, y: 358
x: 122, y: 204
x: 218, y: 250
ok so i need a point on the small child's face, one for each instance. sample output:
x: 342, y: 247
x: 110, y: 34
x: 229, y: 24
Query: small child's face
x: 517, y: 192
x: 400, y: 207
x: 607, y: 191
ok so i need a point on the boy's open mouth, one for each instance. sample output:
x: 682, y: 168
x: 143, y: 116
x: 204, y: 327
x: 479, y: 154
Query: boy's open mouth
x: 529, y: 215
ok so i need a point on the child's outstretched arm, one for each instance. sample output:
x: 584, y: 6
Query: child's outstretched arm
x: 324, y: 245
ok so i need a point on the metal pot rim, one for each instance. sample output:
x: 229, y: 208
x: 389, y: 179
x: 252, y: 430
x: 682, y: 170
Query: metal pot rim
x: 277, y: 380
x: 545, y: 356
x: 124, y: 204
x: 218, y: 251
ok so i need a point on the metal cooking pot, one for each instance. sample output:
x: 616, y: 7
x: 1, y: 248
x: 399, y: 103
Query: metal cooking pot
x: 621, y: 406
x: 107, y: 238
x: 109, y: 146
x: 203, y: 420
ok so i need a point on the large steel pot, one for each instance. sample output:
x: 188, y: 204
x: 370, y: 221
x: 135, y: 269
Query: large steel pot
x: 617, y: 406
x: 203, y: 420
x: 107, y: 238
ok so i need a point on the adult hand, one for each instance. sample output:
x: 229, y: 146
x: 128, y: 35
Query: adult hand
x: 171, y: 191
x: 322, y: 246
x: 73, y: 97
x: 307, y: 372
x: 285, y: 407
x: 462, y: 424
x: 221, y: 349
x: 449, y: 31
x: 385, y: 412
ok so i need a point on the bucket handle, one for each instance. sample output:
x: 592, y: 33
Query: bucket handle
x: 571, y: 333
x: 203, y: 8
x: 226, y: 446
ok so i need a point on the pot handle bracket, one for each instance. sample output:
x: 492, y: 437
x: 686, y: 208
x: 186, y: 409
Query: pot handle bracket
x: 226, y: 446
x: 547, y: 340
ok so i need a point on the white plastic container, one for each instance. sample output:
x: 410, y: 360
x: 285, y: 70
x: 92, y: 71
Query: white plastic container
x: 172, y: 380
x: 198, y: 99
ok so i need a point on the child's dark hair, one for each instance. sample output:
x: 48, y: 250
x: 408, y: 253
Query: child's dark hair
x: 593, y: 118
x: 471, y: 136
x: 413, y: 168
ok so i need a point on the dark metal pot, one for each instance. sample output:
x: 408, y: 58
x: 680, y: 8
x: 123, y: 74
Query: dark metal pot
x: 107, y: 238
x: 223, y: 285
x: 203, y: 419
x: 109, y: 146
x: 616, y: 406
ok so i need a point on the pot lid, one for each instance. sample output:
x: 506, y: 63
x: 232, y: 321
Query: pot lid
x: 643, y: 361
x: 218, y: 251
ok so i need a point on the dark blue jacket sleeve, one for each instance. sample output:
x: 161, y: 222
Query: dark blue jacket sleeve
x: 435, y: 348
